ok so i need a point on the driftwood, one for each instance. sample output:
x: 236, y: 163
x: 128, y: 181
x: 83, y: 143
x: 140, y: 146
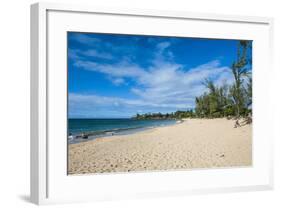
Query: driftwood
x: 247, y: 120
x: 237, y: 124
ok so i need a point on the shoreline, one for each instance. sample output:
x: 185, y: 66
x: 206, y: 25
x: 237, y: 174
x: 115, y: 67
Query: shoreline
x: 116, y: 132
x: 190, y: 144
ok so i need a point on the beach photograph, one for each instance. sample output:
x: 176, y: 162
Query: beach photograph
x: 141, y: 103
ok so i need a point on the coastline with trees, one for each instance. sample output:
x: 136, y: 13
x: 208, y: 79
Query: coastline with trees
x: 226, y: 100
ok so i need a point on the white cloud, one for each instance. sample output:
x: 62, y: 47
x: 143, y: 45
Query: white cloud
x: 162, y: 54
x: 121, y: 69
x: 95, y: 106
x: 77, y: 55
x: 95, y: 53
x: 117, y: 81
x: 73, y: 54
x: 170, y: 82
x: 84, y: 39
x: 162, y: 46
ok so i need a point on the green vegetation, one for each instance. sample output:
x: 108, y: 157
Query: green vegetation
x: 234, y: 100
x: 174, y: 115
x: 221, y: 101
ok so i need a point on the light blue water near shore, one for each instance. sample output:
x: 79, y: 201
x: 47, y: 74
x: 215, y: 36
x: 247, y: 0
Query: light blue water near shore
x: 104, y: 127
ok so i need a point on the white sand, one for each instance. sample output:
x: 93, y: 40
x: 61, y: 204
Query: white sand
x: 195, y: 143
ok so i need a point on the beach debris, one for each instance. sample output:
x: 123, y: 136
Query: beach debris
x: 237, y: 124
x: 247, y: 120
x: 222, y: 155
x: 84, y: 136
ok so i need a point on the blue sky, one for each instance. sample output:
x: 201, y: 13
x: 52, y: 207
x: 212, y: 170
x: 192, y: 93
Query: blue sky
x: 117, y: 76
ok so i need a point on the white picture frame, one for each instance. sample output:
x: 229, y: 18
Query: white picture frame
x: 49, y: 181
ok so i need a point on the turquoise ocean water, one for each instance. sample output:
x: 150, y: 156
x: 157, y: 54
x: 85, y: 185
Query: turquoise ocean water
x: 104, y: 127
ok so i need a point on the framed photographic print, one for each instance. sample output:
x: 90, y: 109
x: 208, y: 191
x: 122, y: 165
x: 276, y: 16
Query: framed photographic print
x: 133, y: 103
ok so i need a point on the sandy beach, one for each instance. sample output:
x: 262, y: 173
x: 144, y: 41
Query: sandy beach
x: 194, y: 143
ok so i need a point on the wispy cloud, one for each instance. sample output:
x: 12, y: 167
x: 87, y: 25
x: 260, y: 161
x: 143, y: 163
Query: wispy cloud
x: 84, y: 38
x: 121, y: 69
x: 170, y: 81
x: 77, y: 55
x: 117, y: 81
x: 91, y: 105
x: 95, y: 53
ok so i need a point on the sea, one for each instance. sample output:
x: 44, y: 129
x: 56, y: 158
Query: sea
x: 96, y: 128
